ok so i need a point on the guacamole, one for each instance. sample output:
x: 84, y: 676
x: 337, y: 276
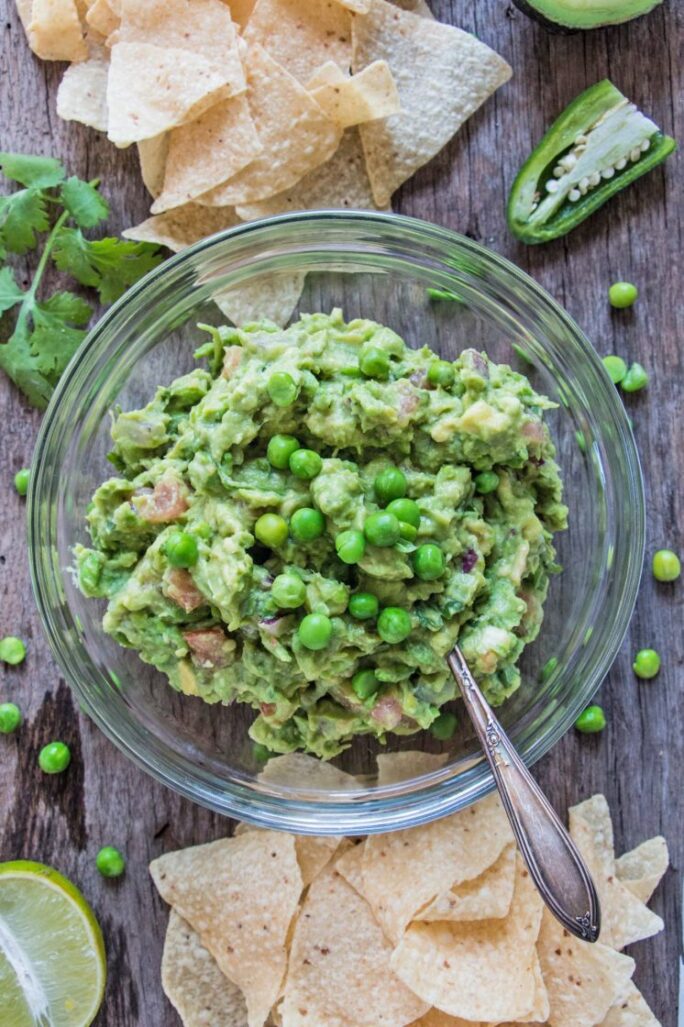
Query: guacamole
x: 311, y: 523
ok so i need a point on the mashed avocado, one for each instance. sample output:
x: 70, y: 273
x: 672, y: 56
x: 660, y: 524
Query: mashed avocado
x: 175, y: 547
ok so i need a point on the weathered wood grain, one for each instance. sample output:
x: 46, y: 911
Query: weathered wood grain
x: 639, y: 760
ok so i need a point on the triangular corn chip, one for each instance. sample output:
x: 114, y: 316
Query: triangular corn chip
x: 641, y: 869
x: 152, y: 154
x: 271, y: 297
x: 394, y: 767
x: 102, y: 18
x: 82, y: 93
x: 488, y: 896
x: 55, y: 31
x: 630, y: 1010
x: 302, y: 34
x: 183, y: 226
x: 370, y: 95
x: 204, y: 27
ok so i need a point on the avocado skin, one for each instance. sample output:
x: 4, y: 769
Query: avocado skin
x: 562, y: 28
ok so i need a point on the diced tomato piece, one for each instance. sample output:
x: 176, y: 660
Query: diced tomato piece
x: 165, y: 503
x: 268, y: 708
x: 232, y: 356
x: 182, y: 589
x: 387, y: 712
x: 209, y: 647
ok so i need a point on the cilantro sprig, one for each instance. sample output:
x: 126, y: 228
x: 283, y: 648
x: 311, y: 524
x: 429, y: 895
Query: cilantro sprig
x: 46, y: 330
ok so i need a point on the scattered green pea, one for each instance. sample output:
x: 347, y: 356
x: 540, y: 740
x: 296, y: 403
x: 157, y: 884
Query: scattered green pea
x: 282, y: 389
x: 622, y: 294
x: 375, y: 363
x: 616, y: 368
x: 405, y: 510
x: 307, y: 524
x: 666, y: 565
x: 12, y: 650
x: 394, y: 625
x: 315, y: 631
x: 280, y: 449
x: 181, y: 549
x: 363, y: 606
x: 382, y: 529
x: 350, y: 546
x: 444, y: 727
x: 591, y: 721
x: 428, y: 562
x: 288, y: 591
x: 271, y: 529
x: 305, y: 464
x: 635, y: 379
x: 441, y: 373
x: 21, y: 481
x: 365, y: 684
x: 110, y: 862
x: 646, y: 664
x: 10, y: 718
x: 486, y: 481
x: 390, y: 484
x: 54, y: 758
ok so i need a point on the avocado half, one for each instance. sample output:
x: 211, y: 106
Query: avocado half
x: 570, y: 15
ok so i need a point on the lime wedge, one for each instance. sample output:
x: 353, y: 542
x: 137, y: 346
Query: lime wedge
x: 52, y: 958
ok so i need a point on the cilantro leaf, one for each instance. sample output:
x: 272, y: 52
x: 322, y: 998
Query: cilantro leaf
x: 27, y: 169
x: 10, y: 293
x: 22, y: 215
x: 110, y: 265
x: 53, y: 343
x: 71, y: 253
x: 68, y: 307
x: 85, y: 204
x: 18, y: 362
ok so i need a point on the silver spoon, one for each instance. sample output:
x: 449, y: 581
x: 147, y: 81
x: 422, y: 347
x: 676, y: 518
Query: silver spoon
x: 556, y: 866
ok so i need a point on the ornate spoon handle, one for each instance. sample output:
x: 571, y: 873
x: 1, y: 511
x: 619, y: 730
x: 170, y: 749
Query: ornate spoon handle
x: 552, y: 858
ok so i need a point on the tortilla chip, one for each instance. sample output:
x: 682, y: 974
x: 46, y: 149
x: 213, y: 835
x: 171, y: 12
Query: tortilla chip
x: 82, y: 93
x: 631, y: 1010
x: 436, y: 1018
x: 24, y: 8
x: 404, y: 871
x: 340, y: 183
x: 370, y: 95
x: 205, y: 152
x: 183, y: 226
x: 193, y: 983
x: 339, y: 968
x: 641, y: 869
x: 55, y: 32
x: 624, y: 917
x: 328, y: 74
x: 271, y: 297
x: 204, y: 27
x: 241, y: 10
x: 442, y: 76
x: 295, y: 134
x: 357, y: 6
x: 583, y: 981
x: 306, y: 773
x: 350, y: 865
x: 152, y: 154
x: 394, y: 767
x: 302, y: 34
x: 151, y: 89
x: 314, y: 852
x: 415, y: 6
x: 102, y: 18
x: 488, y: 896
x: 239, y: 895
x: 482, y: 970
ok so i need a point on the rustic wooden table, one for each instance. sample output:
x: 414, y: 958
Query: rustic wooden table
x: 638, y: 761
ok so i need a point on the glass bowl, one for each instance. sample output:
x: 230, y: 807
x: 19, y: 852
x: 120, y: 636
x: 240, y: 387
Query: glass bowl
x: 378, y: 266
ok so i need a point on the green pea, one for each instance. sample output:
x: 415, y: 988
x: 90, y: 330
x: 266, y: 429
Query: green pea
x: 363, y: 606
x: 271, y: 529
x: 635, y: 379
x: 382, y: 529
x: 646, y: 663
x: 350, y: 546
x: 10, y: 718
x: 54, y: 758
x: 282, y: 389
x: 110, y: 862
x: 315, y: 631
x: 591, y: 721
x: 181, y: 549
x: 307, y: 524
x: 390, y: 484
x: 288, y: 591
x: 428, y: 562
x: 444, y: 727
x: 21, y: 481
x: 405, y: 510
x: 375, y: 363
x: 365, y: 683
x: 616, y: 368
x: 441, y: 373
x: 622, y: 294
x: 666, y: 565
x: 486, y: 481
x: 280, y: 449
x: 394, y: 625
x: 305, y: 464
x: 12, y: 650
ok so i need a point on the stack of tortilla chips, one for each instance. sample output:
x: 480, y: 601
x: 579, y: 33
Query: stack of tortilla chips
x: 248, y: 108
x: 436, y: 926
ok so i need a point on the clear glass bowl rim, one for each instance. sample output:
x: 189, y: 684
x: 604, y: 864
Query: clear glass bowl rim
x: 362, y: 811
